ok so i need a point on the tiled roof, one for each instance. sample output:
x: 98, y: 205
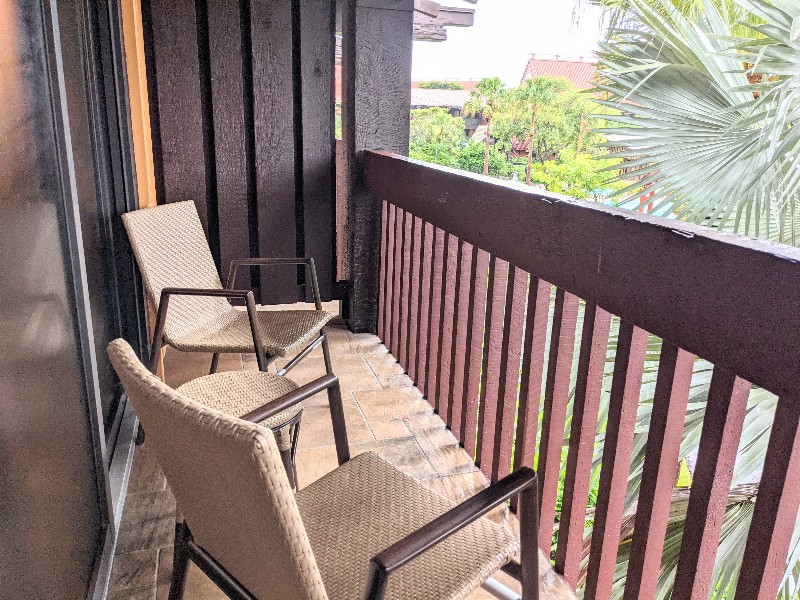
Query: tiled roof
x: 579, y: 72
x: 443, y: 98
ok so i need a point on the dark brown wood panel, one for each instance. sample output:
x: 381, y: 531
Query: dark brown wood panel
x: 447, y: 329
x: 586, y: 248
x: 556, y: 398
x: 391, y: 241
x: 405, y: 293
x: 711, y: 482
x: 460, y: 352
x: 513, y: 330
x: 423, y: 333
x: 478, y: 292
x: 397, y: 285
x: 376, y: 84
x: 180, y: 132
x: 626, y: 386
x: 585, y: 410
x: 437, y: 278
x: 492, y: 359
x: 382, y: 290
x: 225, y: 52
x: 536, y: 321
x: 317, y: 23
x: 271, y: 28
x: 414, y: 298
x: 776, y: 506
x: 660, y: 470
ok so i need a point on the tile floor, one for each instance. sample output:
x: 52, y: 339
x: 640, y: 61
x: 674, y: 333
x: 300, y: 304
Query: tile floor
x: 385, y: 414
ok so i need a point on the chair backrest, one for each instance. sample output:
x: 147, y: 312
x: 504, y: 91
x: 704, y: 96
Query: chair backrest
x: 172, y: 251
x: 229, y: 483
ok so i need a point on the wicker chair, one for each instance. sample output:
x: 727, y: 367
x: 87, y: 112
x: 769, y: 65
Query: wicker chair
x: 179, y: 271
x: 341, y: 537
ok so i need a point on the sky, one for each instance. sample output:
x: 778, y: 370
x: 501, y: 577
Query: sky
x: 503, y: 37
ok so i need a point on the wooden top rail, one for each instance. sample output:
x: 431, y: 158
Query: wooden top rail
x: 732, y: 300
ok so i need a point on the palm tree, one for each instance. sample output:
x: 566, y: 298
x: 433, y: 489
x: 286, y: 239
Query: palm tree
x: 489, y: 97
x: 709, y: 94
x: 533, y: 95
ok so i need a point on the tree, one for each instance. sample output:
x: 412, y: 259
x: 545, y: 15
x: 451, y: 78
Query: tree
x: 440, y: 85
x: 488, y: 99
x: 436, y: 136
x: 472, y: 158
x: 533, y: 96
x: 710, y: 120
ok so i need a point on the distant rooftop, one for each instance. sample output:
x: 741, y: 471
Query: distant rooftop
x: 468, y: 84
x: 578, y: 71
x: 443, y: 98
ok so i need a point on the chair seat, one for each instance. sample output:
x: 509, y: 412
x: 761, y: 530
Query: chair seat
x: 366, y: 505
x: 238, y: 392
x: 282, y: 332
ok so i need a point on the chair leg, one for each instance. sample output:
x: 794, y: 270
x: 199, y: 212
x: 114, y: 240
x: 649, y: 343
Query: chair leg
x: 295, y: 439
x: 214, y: 363
x: 180, y: 561
x: 286, y: 458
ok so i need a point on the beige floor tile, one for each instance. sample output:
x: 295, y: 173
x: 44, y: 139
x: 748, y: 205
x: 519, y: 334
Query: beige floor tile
x: 392, y: 403
x: 316, y: 428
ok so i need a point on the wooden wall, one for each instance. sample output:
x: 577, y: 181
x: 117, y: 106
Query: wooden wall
x: 241, y: 111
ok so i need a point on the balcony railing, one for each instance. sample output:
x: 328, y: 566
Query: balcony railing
x: 468, y: 274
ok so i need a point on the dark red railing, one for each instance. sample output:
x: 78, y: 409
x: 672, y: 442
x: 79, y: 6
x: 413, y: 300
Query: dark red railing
x: 469, y: 267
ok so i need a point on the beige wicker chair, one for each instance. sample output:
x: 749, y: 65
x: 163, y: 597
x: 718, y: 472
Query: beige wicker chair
x: 179, y: 271
x: 341, y: 537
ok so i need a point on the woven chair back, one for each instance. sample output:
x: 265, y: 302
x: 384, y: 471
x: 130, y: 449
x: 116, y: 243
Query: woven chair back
x: 171, y: 250
x: 229, y: 483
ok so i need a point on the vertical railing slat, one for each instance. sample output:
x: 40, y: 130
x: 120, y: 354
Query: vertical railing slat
x: 447, y: 327
x: 532, y: 371
x: 460, y: 337
x: 711, y: 483
x: 397, y: 277
x: 383, y: 297
x: 423, y: 333
x: 513, y: 329
x: 472, y: 367
x: 660, y: 470
x: 492, y: 357
x: 586, y: 407
x: 389, y: 284
x: 416, y: 282
x: 405, y: 287
x: 556, y: 398
x: 434, y: 337
x: 626, y: 385
x: 775, y: 512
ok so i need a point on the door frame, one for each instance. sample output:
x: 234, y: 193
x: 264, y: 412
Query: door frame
x: 98, y: 27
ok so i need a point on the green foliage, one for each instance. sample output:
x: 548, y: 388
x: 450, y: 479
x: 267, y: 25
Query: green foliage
x: 489, y: 98
x: 470, y: 158
x: 436, y: 136
x: 440, y: 85
x: 576, y: 175
x: 719, y: 143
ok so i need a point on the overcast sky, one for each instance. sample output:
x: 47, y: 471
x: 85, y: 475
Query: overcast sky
x: 505, y: 34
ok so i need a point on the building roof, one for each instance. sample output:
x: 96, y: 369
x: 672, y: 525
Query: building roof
x: 467, y: 84
x: 580, y: 72
x: 443, y: 98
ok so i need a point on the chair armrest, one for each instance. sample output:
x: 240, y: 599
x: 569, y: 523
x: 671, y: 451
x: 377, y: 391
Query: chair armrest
x: 306, y: 391
x: 161, y: 318
x: 288, y: 400
x: 521, y: 482
x: 268, y: 262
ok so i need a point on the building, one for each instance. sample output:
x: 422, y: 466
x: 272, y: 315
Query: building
x: 580, y: 72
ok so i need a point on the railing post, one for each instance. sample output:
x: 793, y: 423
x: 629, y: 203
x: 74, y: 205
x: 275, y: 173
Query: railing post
x: 376, y: 100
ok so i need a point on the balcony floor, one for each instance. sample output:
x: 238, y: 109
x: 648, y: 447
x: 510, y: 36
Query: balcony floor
x: 385, y: 414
